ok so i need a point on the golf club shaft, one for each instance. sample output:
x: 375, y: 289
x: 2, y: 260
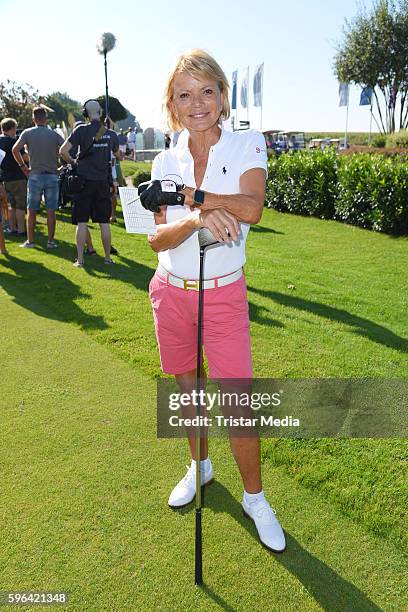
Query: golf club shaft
x: 198, y: 528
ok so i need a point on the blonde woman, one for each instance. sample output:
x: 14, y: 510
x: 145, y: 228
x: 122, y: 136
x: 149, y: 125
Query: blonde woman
x: 224, y: 174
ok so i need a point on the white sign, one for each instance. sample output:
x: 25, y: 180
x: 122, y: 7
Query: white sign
x: 138, y: 220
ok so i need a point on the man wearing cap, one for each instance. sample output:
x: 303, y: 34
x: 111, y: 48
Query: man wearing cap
x: 95, y: 144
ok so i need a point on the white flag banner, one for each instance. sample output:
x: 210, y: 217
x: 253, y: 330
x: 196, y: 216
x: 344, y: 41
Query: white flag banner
x: 138, y: 220
x: 244, y: 88
x: 343, y: 94
x: 258, y: 84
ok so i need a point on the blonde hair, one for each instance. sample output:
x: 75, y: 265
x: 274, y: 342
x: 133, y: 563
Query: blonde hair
x: 198, y: 64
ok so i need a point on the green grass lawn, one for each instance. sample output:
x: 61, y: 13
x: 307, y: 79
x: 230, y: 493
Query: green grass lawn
x: 129, y: 167
x: 85, y: 481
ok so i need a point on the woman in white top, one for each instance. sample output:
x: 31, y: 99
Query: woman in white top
x: 224, y: 174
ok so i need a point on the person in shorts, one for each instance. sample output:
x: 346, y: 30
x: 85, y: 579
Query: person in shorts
x: 131, y: 143
x: 13, y: 178
x: 43, y: 180
x: 122, y: 139
x: 224, y: 176
x: 94, y: 199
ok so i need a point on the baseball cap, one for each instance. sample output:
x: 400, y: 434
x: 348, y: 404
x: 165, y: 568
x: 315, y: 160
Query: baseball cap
x: 93, y: 108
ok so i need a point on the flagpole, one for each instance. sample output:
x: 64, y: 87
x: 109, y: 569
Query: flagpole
x: 371, y: 122
x: 234, y: 97
x: 248, y: 95
x: 347, y: 113
x: 262, y: 92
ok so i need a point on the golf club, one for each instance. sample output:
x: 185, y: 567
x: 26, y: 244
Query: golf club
x: 205, y: 239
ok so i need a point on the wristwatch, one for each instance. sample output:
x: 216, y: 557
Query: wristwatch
x: 198, y: 197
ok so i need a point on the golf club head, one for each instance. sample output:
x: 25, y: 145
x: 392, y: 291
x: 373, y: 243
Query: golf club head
x: 205, y: 237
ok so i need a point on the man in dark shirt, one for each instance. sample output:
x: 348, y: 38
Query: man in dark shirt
x: 13, y: 177
x: 122, y: 138
x: 95, y: 145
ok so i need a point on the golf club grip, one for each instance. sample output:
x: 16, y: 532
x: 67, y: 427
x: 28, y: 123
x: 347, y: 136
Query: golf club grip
x: 198, y: 549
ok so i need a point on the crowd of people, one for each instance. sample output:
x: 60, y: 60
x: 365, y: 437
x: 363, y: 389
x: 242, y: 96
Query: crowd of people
x: 30, y: 166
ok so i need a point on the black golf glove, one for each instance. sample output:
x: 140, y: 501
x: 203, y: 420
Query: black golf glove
x: 152, y: 196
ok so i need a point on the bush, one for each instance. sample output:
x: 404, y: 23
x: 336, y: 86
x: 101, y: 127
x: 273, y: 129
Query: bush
x: 140, y: 176
x: 379, y: 140
x: 370, y: 191
x: 303, y: 182
x: 398, y: 139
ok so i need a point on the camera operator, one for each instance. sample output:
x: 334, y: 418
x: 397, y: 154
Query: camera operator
x: 95, y: 144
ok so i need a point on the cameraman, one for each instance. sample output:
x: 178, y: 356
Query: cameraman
x: 94, y: 200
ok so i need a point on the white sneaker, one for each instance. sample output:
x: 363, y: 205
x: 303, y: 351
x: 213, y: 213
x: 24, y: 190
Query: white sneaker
x: 269, y: 530
x: 27, y: 245
x: 184, y: 492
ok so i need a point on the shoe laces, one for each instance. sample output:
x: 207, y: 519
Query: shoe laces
x: 265, y: 511
x: 189, y: 478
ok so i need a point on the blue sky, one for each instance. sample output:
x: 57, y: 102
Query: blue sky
x: 296, y: 39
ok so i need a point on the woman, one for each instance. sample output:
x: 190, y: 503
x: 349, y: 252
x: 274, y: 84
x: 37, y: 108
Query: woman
x: 225, y: 176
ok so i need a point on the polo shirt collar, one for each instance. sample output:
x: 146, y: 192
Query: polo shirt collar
x: 182, y: 142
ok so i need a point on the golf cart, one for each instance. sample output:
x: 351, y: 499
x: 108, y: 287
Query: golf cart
x: 284, y: 142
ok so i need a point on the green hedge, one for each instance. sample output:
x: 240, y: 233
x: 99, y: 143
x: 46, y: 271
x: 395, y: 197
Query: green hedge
x: 361, y: 189
x: 397, y: 139
x: 140, y: 176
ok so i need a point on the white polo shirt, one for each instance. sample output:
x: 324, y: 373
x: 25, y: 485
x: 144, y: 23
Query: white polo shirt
x: 231, y: 156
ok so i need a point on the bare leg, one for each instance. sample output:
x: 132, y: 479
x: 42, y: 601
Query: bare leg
x: 21, y: 223
x: 32, y: 218
x: 187, y: 382
x: 51, y: 221
x: 12, y: 219
x: 106, y: 238
x: 244, y: 441
x: 246, y: 452
x: 88, y: 240
x: 80, y: 240
x: 2, y: 243
x: 4, y: 208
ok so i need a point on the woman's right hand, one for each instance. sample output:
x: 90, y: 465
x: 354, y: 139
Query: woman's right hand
x: 222, y: 224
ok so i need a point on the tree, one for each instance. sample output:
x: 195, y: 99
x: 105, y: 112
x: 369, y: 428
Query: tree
x: 116, y: 110
x: 374, y: 53
x: 129, y: 122
x: 62, y: 105
x: 17, y: 101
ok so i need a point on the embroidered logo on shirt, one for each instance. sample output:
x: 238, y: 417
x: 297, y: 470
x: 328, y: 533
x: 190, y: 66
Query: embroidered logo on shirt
x: 224, y: 170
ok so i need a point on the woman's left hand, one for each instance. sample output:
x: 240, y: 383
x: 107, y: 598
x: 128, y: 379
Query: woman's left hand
x: 189, y: 195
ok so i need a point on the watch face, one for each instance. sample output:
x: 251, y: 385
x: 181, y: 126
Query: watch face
x: 199, y: 196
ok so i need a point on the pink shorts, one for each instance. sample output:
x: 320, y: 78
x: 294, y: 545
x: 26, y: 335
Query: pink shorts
x: 226, y: 338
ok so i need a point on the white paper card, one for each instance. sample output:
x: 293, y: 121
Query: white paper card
x: 138, y: 220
